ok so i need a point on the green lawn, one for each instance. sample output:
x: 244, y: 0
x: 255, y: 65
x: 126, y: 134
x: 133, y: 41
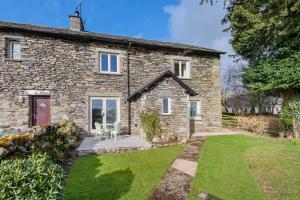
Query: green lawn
x: 245, y: 167
x: 131, y: 175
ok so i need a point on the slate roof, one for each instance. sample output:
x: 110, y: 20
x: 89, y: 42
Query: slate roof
x: 154, y: 82
x: 91, y: 36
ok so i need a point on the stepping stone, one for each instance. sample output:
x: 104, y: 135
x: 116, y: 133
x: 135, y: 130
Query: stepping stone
x: 186, y: 166
x: 176, y: 184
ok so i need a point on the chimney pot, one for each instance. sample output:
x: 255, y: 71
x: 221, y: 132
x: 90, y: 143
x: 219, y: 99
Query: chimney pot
x: 77, y: 13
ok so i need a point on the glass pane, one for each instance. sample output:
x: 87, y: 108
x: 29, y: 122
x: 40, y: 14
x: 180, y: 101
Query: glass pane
x: 183, y: 69
x: 193, y: 109
x: 176, y: 68
x: 165, y: 105
x: 104, y: 62
x: 97, y: 108
x: 113, y: 63
x: 111, y: 111
x: 16, y: 50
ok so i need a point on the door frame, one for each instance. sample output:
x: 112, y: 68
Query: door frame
x: 104, y: 108
x: 32, y: 107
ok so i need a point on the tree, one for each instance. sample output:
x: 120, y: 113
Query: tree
x: 232, y: 83
x: 276, y: 75
x: 266, y: 33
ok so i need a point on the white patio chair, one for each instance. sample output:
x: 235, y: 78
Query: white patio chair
x: 116, y: 129
x: 99, y: 130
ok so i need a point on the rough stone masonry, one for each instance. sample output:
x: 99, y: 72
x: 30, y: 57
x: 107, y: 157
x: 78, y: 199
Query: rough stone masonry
x: 64, y: 64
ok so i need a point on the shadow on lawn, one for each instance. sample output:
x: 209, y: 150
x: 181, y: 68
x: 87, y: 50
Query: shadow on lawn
x: 94, y: 185
x: 114, y: 185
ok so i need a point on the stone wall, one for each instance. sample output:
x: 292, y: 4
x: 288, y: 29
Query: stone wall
x: 205, y: 80
x: 68, y: 70
x: 174, y: 123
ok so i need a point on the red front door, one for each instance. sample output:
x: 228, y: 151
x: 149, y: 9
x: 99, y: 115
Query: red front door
x: 41, y: 111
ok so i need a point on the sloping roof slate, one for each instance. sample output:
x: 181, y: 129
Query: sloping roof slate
x: 86, y: 36
x: 153, y: 83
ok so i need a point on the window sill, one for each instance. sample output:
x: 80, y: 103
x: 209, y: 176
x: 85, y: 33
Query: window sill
x: 14, y: 60
x: 166, y: 114
x: 107, y: 73
x: 196, y: 118
x: 183, y: 78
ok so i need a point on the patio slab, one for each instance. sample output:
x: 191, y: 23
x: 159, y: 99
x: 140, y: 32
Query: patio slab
x: 123, y: 143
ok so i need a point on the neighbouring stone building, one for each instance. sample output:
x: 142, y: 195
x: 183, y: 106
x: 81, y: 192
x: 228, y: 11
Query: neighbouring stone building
x: 49, y: 74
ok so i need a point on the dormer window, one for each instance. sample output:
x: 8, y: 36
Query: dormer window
x: 14, y: 49
x: 109, y: 63
x: 182, y: 69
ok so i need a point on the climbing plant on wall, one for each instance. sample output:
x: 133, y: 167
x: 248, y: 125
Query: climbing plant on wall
x: 151, y: 124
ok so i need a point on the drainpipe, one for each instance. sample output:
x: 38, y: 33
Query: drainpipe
x: 128, y: 89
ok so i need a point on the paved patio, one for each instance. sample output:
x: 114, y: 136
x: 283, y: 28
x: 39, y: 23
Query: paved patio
x: 123, y: 143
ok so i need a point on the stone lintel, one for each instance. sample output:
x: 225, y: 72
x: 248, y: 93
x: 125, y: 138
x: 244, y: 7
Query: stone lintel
x: 38, y: 92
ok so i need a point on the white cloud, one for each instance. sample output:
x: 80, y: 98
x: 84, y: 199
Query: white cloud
x: 139, y: 35
x: 197, y: 24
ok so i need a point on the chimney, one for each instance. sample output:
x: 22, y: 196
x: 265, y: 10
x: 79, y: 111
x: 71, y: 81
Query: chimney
x: 76, y: 23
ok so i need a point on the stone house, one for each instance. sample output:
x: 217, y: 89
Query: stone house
x: 50, y: 74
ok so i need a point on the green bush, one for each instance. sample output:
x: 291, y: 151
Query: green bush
x: 286, y: 118
x: 151, y: 124
x: 296, y: 141
x: 35, y: 177
x: 56, y: 139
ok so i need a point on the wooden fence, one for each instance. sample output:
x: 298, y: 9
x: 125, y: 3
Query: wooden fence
x: 258, y: 124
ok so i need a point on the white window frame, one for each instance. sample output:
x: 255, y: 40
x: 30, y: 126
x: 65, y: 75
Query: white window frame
x: 169, y: 106
x: 187, y: 64
x: 104, y: 108
x: 10, y: 49
x: 109, y: 63
x: 198, y: 115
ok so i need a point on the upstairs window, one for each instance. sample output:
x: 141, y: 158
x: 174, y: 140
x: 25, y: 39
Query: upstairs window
x: 166, y: 106
x: 14, y: 49
x: 182, y: 69
x: 194, y: 109
x: 109, y: 63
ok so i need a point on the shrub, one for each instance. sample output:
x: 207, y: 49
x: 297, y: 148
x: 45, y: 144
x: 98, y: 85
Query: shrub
x: 35, y: 177
x: 259, y: 124
x: 151, y: 124
x: 286, y: 118
x: 296, y: 141
x: 56, y: 139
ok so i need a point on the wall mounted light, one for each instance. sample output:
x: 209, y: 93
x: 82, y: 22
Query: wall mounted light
x: 21, y: 99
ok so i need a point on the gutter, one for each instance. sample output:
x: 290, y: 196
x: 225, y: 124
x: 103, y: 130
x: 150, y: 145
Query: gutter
x: 128, y: 88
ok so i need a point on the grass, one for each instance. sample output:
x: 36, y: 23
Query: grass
x: 131, y: 175
x: 245, y: 167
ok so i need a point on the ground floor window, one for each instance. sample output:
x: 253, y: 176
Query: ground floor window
x: 194, y: 109
x: 166, y: 106
x: 105, y: 111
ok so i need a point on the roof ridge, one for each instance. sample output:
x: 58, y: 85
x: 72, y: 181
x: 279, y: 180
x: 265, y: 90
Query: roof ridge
x: 103, y: 36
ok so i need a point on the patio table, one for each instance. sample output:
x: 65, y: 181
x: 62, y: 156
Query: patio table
x: 107, y: 132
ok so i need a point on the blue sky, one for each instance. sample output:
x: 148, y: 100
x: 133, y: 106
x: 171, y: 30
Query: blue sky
x: 183, y: 21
